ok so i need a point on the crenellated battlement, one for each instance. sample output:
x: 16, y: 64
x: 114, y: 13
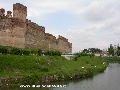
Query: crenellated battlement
x: 62, y: 38
x: 2, y: 14
x: 9, y: 14
x: 50, y: 37
x: 34, y: 28
x: 17, y: 31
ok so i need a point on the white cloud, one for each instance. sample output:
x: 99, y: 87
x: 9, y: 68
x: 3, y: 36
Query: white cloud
x: 82, y: 39
x: 43, y: 7
x: 101, y: 26
x: 98, y: 11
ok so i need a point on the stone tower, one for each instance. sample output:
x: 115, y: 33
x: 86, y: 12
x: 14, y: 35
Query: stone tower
x: 19, y: 25
x: 20, y: 11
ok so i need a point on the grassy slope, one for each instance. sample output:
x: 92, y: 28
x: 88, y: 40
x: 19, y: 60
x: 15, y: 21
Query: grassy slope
x: 111, y: 58
x: 13, y: 65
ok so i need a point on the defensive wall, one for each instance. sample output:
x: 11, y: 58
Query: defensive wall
x: 17, y: 31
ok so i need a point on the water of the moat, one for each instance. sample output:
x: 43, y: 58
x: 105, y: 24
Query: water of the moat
x: 108, y: 80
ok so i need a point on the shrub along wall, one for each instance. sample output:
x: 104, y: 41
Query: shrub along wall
x: 19, y: 51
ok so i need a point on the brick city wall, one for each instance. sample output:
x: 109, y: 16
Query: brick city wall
x: 17, y: 31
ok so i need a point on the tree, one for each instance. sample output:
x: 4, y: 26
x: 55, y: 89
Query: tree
x: 92, y: 50
x: 39, y: 52
x: 111, y: 50
x: 85, y: 51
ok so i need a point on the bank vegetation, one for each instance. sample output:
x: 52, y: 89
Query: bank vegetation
x: 36, y: 69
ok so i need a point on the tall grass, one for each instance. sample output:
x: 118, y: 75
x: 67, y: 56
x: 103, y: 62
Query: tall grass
x: 33, y: 68
x: 28, y: 65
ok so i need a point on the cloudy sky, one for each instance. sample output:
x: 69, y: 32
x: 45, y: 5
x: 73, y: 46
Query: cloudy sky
x: 86, y: 23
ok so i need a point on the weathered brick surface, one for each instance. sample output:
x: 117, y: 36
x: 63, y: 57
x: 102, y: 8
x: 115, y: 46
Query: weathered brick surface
x: 17, y: 31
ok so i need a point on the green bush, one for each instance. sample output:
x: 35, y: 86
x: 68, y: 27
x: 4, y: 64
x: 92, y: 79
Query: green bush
x: 26, y: 52
x: 19, y: 51
x: 16, y: 51
x: 3, y: 50
x: 39, y: 52
x: 77, y: 55
x: 53, y: 53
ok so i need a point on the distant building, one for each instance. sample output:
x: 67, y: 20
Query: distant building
x: 97, y: 54
x: 105, y: 53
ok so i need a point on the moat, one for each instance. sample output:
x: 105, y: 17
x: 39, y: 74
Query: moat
x: 108, y: 80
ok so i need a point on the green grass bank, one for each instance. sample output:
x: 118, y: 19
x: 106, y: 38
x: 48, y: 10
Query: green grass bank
x: 17, y: 69
x: 114, y: 58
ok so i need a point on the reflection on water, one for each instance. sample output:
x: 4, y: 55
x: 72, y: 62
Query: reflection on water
x: 109, y: 80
